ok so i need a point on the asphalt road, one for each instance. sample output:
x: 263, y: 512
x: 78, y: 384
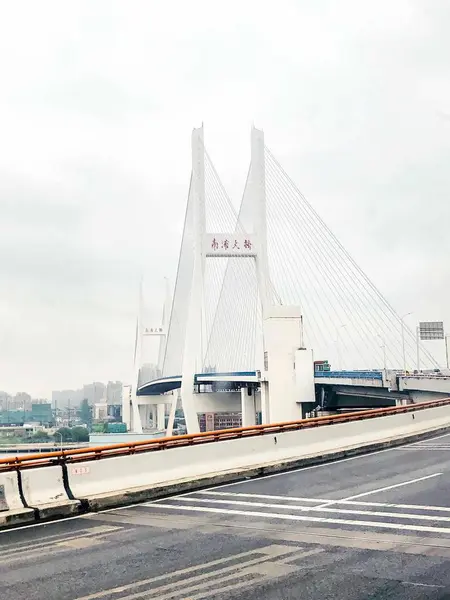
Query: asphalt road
x: 370, y: 527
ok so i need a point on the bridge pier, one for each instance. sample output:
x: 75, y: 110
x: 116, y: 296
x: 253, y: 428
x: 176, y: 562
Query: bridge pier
x: 265, y: 402
x: 248, y: 406
x: 289, y: 366
x: 161, y: 416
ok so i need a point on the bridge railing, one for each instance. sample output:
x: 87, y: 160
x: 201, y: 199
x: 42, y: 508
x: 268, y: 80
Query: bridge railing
x: 159, y: 444
x: 349, y: 374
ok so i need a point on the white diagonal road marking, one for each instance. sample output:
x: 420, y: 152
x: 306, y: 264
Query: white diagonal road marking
x: 315, y: 500
x: 304, y: 518
x: 274, y: 552
x: 383, y: 489
x: 344, y: 511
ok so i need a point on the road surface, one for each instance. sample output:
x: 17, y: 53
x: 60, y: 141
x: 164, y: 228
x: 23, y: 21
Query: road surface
x: 374, y: 526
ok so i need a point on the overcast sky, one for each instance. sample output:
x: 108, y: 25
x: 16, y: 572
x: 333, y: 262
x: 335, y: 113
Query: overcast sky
x: 97, y: 103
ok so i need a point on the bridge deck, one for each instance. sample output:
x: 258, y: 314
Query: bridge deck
x: 371, y: 526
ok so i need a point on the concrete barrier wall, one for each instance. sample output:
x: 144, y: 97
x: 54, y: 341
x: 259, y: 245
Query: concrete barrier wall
x: 425, y: 384
x: 12, y: 509
x: 9, y: 492
x: 93, y: 478
x: 44, y: 489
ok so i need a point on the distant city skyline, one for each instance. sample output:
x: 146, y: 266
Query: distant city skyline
x: 95, y: 391
x: 111, y: 392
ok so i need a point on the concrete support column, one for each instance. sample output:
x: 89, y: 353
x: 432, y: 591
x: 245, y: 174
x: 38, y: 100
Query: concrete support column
x: 248, y: 407
x: 126, y: 406
x: 143, y: 415
x: 161, y: 417
x: 173, y: 408
x: 265, y: 403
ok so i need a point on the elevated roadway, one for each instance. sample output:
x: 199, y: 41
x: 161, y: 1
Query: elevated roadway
x: 372, y: 526
x: 334, y: 389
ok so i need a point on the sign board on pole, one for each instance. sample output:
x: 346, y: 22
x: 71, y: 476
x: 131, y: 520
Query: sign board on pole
x: 431, y: 330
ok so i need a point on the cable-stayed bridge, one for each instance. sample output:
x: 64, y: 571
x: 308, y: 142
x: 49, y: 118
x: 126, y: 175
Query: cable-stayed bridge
x: 259, y: 295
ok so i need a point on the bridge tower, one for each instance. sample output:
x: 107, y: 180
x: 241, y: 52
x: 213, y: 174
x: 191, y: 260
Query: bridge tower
x: 139, y: 411
x: 282, y: 327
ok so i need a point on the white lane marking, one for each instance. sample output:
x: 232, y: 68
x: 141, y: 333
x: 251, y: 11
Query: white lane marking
x: 369, y: 513
x: 429, y: 448
x: 383, y: 489
x: 429, y: 585
x: 391, y: 487
x: 309, y: 519
x: 301, y: 499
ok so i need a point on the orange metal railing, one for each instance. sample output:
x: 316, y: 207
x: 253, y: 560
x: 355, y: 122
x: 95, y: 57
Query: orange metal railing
x: 156, y: 444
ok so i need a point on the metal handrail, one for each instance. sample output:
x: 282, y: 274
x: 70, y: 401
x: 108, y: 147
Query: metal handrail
x: 156, y: 444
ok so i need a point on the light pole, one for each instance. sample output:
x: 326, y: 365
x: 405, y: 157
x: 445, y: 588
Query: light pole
x: 384, y: 351
x: 447, y: 335
x: 403, y: 338
x: 418, y: 347
x: 61, y: 439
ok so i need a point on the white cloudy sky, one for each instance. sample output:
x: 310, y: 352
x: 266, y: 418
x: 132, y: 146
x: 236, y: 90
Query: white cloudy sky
x: 97, y: 103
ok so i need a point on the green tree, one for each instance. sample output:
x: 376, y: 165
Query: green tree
x: 63, y: 433
x: 80, y: 434
x: 40, y: 436
x: 86, y: 413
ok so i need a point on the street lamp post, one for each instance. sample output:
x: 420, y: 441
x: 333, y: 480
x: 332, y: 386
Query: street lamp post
x: 61, y: 439
x: 418, y: 347
x: 447, y: 335
x: 403, y: 338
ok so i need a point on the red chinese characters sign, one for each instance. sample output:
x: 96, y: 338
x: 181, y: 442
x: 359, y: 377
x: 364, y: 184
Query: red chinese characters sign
x: 229, y: 244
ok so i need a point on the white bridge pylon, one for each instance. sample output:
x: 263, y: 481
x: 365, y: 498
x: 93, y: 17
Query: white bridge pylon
x: 236, y: 243
x: 139, y: 413
x: 255, y: 289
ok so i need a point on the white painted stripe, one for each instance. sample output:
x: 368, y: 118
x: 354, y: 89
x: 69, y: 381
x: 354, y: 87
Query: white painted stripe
x: 421, y: 449
x: 370, y: 513
x: 383, y: 489
x: 428, y: 585
x: 309, y: 519
x: 428, y: 444
x: 314, y: 500
x: 436, y: 448
x: 392, y: 487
